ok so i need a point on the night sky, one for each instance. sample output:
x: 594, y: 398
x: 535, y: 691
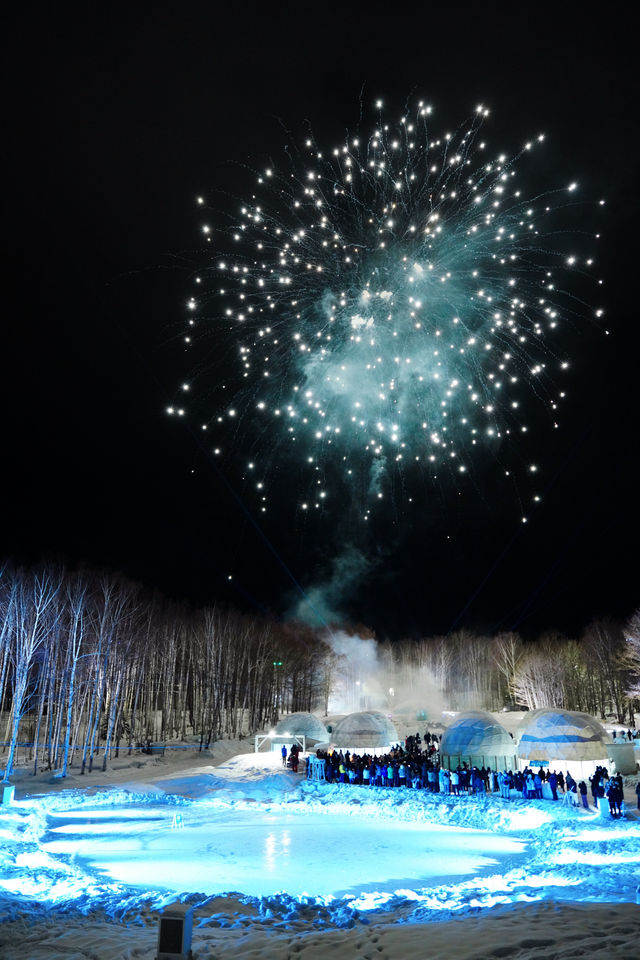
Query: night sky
x: 116, y: 119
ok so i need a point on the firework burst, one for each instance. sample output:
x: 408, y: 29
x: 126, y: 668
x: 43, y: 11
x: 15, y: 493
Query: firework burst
x: 395, y: 306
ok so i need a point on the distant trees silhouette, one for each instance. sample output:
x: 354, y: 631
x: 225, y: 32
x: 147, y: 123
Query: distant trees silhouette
x: 92, y: 665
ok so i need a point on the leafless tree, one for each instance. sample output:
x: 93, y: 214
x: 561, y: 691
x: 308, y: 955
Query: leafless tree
x: 32, y: 597
x: 632, y: 643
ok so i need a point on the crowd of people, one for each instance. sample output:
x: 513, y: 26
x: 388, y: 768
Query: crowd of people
x: 414, y: 768
x: 620, y: 736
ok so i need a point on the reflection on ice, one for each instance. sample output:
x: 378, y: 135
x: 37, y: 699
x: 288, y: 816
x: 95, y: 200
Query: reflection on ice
x: 260, y: 855
x: 336, y: 850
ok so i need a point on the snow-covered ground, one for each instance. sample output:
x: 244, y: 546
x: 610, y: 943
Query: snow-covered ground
x: 276, y: 867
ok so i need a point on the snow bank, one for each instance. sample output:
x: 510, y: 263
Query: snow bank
x: 573, y: 893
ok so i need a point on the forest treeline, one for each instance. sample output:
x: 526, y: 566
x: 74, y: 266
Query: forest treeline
x: 92, y: 665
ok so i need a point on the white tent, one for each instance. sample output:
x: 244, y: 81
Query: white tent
x: 365, y: 731
x: 303, y: 724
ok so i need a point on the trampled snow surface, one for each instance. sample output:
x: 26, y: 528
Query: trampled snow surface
x: 276, y: 866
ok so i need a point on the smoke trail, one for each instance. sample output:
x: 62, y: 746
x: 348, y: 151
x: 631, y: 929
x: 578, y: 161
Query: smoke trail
x: 325, y: 601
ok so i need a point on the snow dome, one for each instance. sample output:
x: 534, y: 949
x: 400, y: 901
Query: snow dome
x: 368, y: 730
x: 477, y: 739
x: 558, y: 738
x: 303, y: 724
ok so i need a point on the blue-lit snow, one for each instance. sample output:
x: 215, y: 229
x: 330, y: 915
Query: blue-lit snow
x: 248, y: 840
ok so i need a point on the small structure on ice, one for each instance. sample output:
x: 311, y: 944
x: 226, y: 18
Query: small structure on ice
x: 366, y: 732
x: 563, y: 740
x: 305, y: 725
x: 477, y: 739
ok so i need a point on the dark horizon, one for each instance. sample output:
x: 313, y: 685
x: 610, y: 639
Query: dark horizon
x: 118, y: 121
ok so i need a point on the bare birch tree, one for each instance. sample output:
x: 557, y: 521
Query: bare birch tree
x: 30, y: 623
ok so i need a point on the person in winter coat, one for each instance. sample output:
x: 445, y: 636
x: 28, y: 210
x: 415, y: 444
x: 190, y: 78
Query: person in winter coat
x: 529, y: 790
x: 619, y: 793
x: 446, y: 781
x: 553, y: 783
x: 507, y: 783
x: 615, y: 797
x: 582, y: 787
x: 571, y: 794
x: 537, y: 782
x: 455, y: 782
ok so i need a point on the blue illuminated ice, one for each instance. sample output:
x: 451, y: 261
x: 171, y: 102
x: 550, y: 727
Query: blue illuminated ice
x: 249, y: 842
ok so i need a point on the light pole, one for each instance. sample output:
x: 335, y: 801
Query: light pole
x: 276, y: 683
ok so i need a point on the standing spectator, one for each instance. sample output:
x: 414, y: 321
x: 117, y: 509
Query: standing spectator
x: 505, y: 785
x: 615, y: 796
x: 638, y: 793
x: 455, y: 782
x: 284, y: 754
x: 594, y: 781
x: 571, y: 795
x: 582, y: 787
x: 619, y: 794
x: 529, y: 789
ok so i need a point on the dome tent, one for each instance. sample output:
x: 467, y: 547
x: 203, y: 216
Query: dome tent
x: 562, y: 737
x: 303, y: 724
x: 368, y: 730
x: 477, y: 739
